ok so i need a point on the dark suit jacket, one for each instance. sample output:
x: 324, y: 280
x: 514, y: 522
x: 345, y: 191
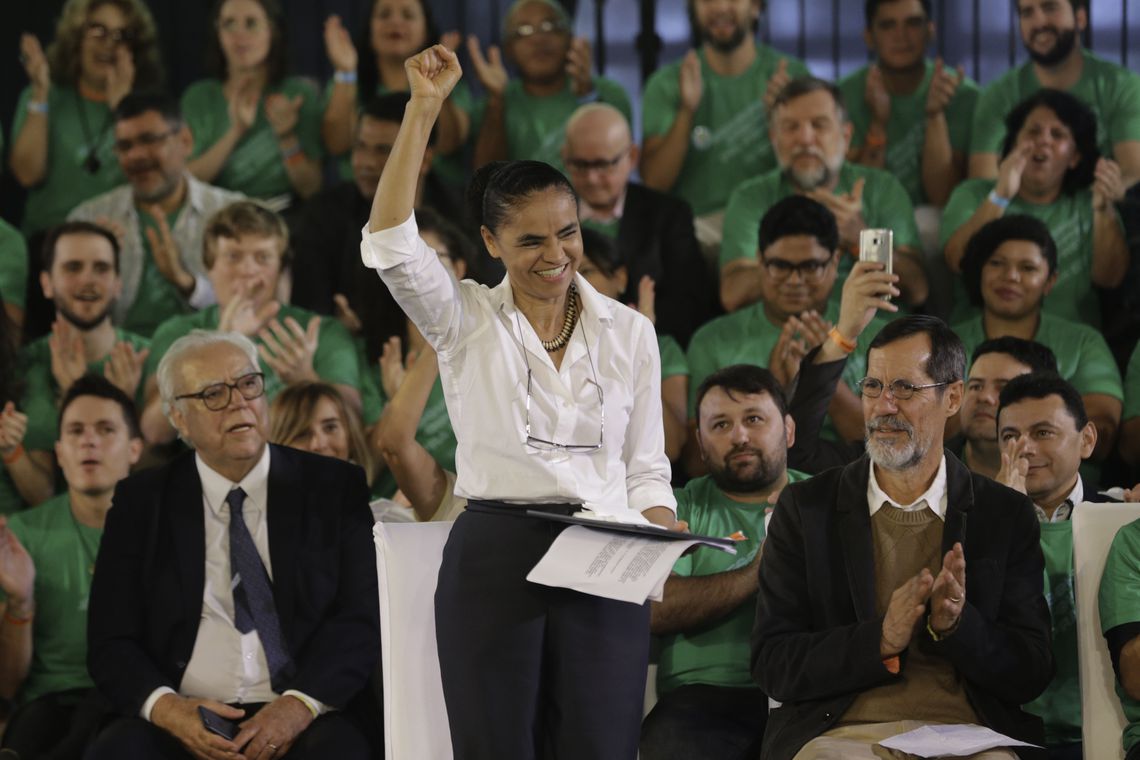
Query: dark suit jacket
x: 815, y: 387
x: 146, y: 596
x: 815, y: 645
x: 656, y: 238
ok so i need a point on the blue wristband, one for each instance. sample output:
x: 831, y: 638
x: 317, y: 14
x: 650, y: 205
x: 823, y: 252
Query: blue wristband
x: 38, y: 106
x: 997, y: 200
x: 345, y: 77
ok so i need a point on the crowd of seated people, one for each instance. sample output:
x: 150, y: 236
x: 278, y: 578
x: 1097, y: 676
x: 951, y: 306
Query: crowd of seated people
x: 156, y: 221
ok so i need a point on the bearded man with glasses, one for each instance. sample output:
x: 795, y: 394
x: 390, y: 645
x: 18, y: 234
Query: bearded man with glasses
x: 901, y: 590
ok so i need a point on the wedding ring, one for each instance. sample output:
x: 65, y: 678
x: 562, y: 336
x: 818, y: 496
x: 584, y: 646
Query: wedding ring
x: 954, y: 599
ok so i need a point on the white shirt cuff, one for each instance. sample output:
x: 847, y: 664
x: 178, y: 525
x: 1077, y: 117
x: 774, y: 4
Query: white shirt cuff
x: 155, y: 695
x: 316, y: 707
x: 390, y: 247
x: 203, y: 293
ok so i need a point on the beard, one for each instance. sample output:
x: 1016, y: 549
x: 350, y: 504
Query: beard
x: 739, y: 34
x: 79, y: 322
x: 754, y: 478
x: 1066, y: 40
x: 890, y: 457
x: 809, y: 179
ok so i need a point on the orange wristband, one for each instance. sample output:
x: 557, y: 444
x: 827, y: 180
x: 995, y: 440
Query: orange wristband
x: 15, y: 620
x: 16, y: 454
x: 840, y: 340
x: 893, y: 665
x: 875, y: 139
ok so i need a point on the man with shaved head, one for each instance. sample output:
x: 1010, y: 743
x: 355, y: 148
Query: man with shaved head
x: 653, y: 232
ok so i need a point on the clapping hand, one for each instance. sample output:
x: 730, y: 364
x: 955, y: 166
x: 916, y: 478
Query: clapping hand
x: 282, y: 113
x: 346, y: 315
x: 124, y: 367
x: 13, y: 428
x: 943, y: 84
x: 393, y: 368
x: 579, y: 67
x: 490, y: 70
x: 798, y: 337
x: 776, y: 84
x: 289, y: 349
x: 690, y: 82
x: 35, y: 65
x: 164, y: 251
x: 1108, y: 184
x: 68, y: 354
x: 907, y: 605
x: 1011, y: 168
x: 948, y: 595
x: 17, y: 573
x: 847, y: 209
x: 241, y: 315
x: 876, y: 96
x: 338, y: 45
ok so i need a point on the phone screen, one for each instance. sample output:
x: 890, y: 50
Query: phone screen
x: 216, y: 724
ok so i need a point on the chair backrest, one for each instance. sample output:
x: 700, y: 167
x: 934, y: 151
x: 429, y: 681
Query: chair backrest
x: 1094, y: 526
x: 415, y: 716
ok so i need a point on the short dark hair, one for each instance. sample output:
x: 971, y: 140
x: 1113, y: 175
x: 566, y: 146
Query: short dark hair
x: 499, y: 185
x: 459, y: 247
x: 871, y: 7
x: 389, y: 108
x: 601, y: 250
x: 367, y: 65
x: 53, y: 236
x: 798, y: 215
x: 216, y: 65
x: 1038, y: 357
x: 985, y: 242
x: 744, y: 379
x: 1039, y: 385
x: 806, y: 85
x: 1075, y: 115
x: 947, y: 362
x: 137, y: 103
x: 92, y: 384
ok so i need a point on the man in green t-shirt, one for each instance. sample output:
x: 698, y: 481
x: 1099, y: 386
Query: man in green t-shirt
x: 525, y: 118
x: 1051, y: 31
x: 47, y: 558
x: 1045, y: 434
x: 81, y: 278
x: 707, y: 707
x: 705, y: 117
x: 13, y: 271
x: 911, y: 116
x: 1130, y: 428
x: 246, y: 249
x: 810, y: 133
x: 1120, y: 623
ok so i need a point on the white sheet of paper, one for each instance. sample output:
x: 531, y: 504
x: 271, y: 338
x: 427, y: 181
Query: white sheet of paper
x: 613, y: 565
x: 950, y: 741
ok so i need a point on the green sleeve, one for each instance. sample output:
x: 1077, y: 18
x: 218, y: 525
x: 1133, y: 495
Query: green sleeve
x: 960, y: 115
x: 1124, y: 124
x: 659, y: 102
x: 39, y: 398
x: 1132, y: 387
x: 852, y: 87
x: 13, y: 265
x: 796, y: 67
x: 684, y: 564
x: 202, y: 117
x: 336, y: 358
x: 1096, y: 370
x: 964, y: 201
x: 613, y: 93
x: 371, y: 399
x: 308, y: 127
x: 672, y: 357
x: 891, y: 207
x: 1119, y: 597
x: 702, y: 363
x: 164, y: 336
x: 741, y: 230
x: 988, y: 130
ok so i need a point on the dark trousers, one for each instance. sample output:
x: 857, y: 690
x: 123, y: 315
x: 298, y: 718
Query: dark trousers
x: 1066, y: 752
x: 531, y: 671
x: 56, y: 726
x: 705, y: 722
x: 333, y: 736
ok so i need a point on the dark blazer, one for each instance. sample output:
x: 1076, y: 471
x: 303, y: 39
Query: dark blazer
x: 146, y: 596
x: 656, y: 238
x: 815, y: 387
x: 815, y: 645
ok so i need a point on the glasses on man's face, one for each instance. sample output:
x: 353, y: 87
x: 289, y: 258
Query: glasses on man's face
x: 582, y: 166
x: 522, y: 31
x: 811, y: 270
x: 217, y: 397
x: 102, y: 32
x: 900, y: 390
x: 146, y: 140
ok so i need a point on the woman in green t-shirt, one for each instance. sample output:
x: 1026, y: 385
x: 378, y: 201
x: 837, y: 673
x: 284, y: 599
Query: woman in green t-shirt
x: 62, y: 135
x: 255, y: 130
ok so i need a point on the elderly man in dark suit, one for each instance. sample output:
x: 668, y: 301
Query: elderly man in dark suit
x: 653, y: 232
x: 239, y: 578
x: 901, y: 590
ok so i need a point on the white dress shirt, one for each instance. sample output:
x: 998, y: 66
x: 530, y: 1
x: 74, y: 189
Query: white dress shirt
x: 1064, y: 510
x: 227, y: 665
x: 933, y: 498
x: 481, y: 338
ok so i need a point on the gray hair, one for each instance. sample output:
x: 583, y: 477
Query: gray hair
x: 193, y: 341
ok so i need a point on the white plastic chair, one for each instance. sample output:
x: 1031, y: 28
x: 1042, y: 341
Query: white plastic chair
x: 1094, y: 526
x: 407, y: 564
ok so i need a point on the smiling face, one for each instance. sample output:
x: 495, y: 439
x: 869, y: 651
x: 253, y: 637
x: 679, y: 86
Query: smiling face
x: 95, y: 449
x: 810, y: 139
x: 988, y: 375
x: 1054, y: 152
x: 398, y: 28
x: 1049, y: 28
x: 540, y: 56
x: 98, y: 46
x: 785, y: 293
x: 245, y: 34
x: 725, y: 25
x: 899, y: 34
x: 250, y: 265
x: 327, y: 433
x: 1015, y: 280
x: 231, y: 439
x: 1054, y: 446
x: 743, y: 440
x: 152, y: 155
x: 82, y: 282
x: 540, y: 245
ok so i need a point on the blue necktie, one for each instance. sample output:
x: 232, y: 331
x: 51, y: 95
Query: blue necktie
x: 253, y: 595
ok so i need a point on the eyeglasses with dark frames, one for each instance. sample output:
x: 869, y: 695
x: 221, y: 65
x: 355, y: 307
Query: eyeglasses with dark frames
x: 217, y: 396
x: 582, y: 166
x: 900, y: 390
x: 810, y: 270
x: 97, y: 31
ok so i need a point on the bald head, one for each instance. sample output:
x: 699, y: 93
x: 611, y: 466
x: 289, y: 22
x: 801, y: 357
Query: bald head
x: 599, y: 155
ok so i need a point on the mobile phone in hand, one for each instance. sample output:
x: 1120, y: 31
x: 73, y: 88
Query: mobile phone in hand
x: 878, y: 245
x: 216, y: 724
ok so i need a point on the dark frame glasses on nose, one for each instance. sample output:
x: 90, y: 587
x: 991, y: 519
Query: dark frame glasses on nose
x: 900, y: 390
x: 217, y: 396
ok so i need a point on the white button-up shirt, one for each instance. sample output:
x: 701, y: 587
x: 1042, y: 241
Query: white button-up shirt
x: 480, y: 337
x: 934, y: 498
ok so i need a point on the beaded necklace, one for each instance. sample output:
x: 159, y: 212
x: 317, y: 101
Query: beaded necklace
x: 568, y: 322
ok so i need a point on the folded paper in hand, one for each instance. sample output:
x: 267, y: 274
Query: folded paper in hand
x: 950, y: 741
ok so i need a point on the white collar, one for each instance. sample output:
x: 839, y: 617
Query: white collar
x: 933, y: 498
x: 596, y: 309
x: 216, y: 486
x: 1064, y: 510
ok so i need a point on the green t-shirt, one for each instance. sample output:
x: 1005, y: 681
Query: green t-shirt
x: 536, y: 126
x: 716, y: 654
x: 729, y: 142
x: 1132, y: 387
x: 1059, y: 706
x: 41, y: 393
x: 1070, y: 222
x: 1111, y: 91
x: 64, y: 553
x: 906, y: 130
x: 747, y: 336
x: 1083, y: 358
x: 157, y: 299
x: 255, y: 167
x: 1120, y: 604
x: 13, y: 265
x: 885, y: 205
x: 673, y: 360
x: 75, y: 127
x: 334, y: 362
